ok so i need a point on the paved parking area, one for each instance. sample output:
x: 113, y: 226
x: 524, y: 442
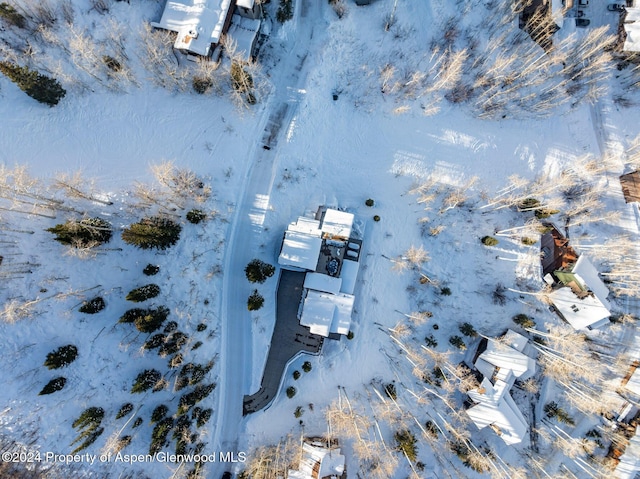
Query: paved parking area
x: 288, y: 340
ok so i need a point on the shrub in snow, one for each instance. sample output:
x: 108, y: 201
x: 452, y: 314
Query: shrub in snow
x: 468, y: 330
x: 369, y: 202
x: 11, y: 15
x: 390, y: 391
x: 146, y: 380
x: 472, y: 460
x: 201, y: 416
x: 255, y: 301
x: 489, y: 241
x: 154, y: 341
x: 154, y: 232
x: 296, y: 375
x: 143, y: 293
x: 306, y: 366
x: 182, y: 427
x: 406, y: 442
x: 445, y: 291
x: 543, y: 213
x: 528, y: 204
x: 88, y: 424
x: 524, y: 321
x: 376, y: 218
x: 170, y: 327
x: 196, y: 345
x: 111, y: 63
x: 39, y: 87
x: 122, y: 442
x: 201, y: 84
x: 176, y: 361
x: 431, y: 341
x: 159, y: 413
x: 54, y: 385
x: 499, y: 296
x: 350, y: 335
x: 201, y: 327
x: 145, y: 320
x: 291, y: 391
x: 258, y: 271
x: 285, y: 11
x: 457, y: 342
x: 93, y: 305
x: 85, y: 233
x: 196, y: 216
x: 151, y: 270
x: 124, y: 410
x: 431, y: 429
x: 552, y: 410
x: 159, y: 435
x: 61, y: 357
x: 298, y: 412
x: 525, y: 240
x: 137, y: 422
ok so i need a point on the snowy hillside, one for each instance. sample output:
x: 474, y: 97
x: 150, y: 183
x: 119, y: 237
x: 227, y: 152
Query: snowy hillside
x: 467, y: 136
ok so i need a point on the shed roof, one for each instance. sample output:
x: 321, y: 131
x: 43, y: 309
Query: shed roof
x: 581, y: 313
x: 337, y: 224
x: 349, y: 275
x: 300, y: 250
x: 198, y: 23
x: 322, y: 282
x: 325, y: 313
x: 318, y: 462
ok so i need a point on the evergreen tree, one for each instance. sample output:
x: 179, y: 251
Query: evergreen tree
x: 11, y: 15
x: 39, y: 87
x: 258, y: 271
x: 154, y: 232
x: 159, y: 413
x: 61, y: 357
x: 143, y: 293
x: 54, y: 385
x: 406, y: 442
x: 146, y: 380
x: 84, y: 233
x: 124, y: 410
x: 146, y: 320
x: 255, y: 301
x: 93, y: 306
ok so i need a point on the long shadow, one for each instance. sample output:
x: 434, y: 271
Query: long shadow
x: 288, y: 340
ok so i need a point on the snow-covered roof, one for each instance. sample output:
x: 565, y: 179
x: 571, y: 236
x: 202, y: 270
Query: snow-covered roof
x: 322, y: 282
x: 243, y: 32
x: 325, y: 313
x: 349, y: 275
x: 587, y: 274
x: 633, y: 384
x: 300, y: 250
x: 337, y: 224
x: 501, y: 363
x: 198, y: 23
x: 496, y: 408
x: 318, y: 462
x: 629, y: 464
x: 557, y: 12
x: 633, y: 14
x: 632, y: 42
x: 245, y: 3
x: 581, y: 313
x: 306, y: 225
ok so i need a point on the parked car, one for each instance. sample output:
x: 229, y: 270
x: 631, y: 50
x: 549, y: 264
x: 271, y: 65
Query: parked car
x: 615, y: 7
x: 582, y: 22
x: 583, y: 3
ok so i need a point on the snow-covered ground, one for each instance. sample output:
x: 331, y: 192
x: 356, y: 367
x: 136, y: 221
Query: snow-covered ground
x: 344, y: 138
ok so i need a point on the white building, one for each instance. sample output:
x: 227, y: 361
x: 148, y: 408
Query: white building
x: 318, y: 462
x: 501, y: 364
x: 629, y: 464
x: 199, y: 24
x: 583, y: 302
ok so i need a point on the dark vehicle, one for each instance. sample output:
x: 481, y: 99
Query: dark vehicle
x: 582, y: 22
x: 580, y: 13
x: 226, y: 475
x: 615, y: 7
x: 583, y: 3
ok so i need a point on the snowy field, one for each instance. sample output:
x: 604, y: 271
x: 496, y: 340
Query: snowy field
x: 439, y: 120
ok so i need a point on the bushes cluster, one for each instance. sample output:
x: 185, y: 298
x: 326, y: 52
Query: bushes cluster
x: 159, y: 435
x: 151, y: 270
x: 285, y: 11
x: 143, y: 293
x: 489, y: 241
x: 154, y: 232
x: 258, y: 271
x: 84, y: 233
x: 89, y: 426
x: 52, y: 386
x: 146, y: 380
x: 524, y: 321
x: 93, y: 306
x: 189, y: 400
x: 172, y: 343
x: 61, y: 357
x: 468, y: 330
x: 40, y: 87
x: 191, y: 374
x: 196, y: 216
x: 146, y: 320
x: 457, y: 342
x: 201, y: 416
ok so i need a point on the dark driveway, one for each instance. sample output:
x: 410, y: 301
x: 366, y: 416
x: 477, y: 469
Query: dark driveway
x: 288, y: 339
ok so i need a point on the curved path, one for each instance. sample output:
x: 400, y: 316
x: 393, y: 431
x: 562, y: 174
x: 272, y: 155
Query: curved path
x: 246, y: 229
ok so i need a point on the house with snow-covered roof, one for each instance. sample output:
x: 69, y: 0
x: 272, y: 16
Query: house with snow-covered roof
x: 319, y: 462
x: 501, y: 362
x: 582, y: 301
x: 323, y: 248
x: 629, y: 463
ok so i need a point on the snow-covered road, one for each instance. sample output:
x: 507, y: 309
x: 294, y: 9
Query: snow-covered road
x: 247, y: 226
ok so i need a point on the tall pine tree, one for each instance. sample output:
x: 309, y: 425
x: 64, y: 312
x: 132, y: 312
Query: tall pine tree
x: 39, y: 87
